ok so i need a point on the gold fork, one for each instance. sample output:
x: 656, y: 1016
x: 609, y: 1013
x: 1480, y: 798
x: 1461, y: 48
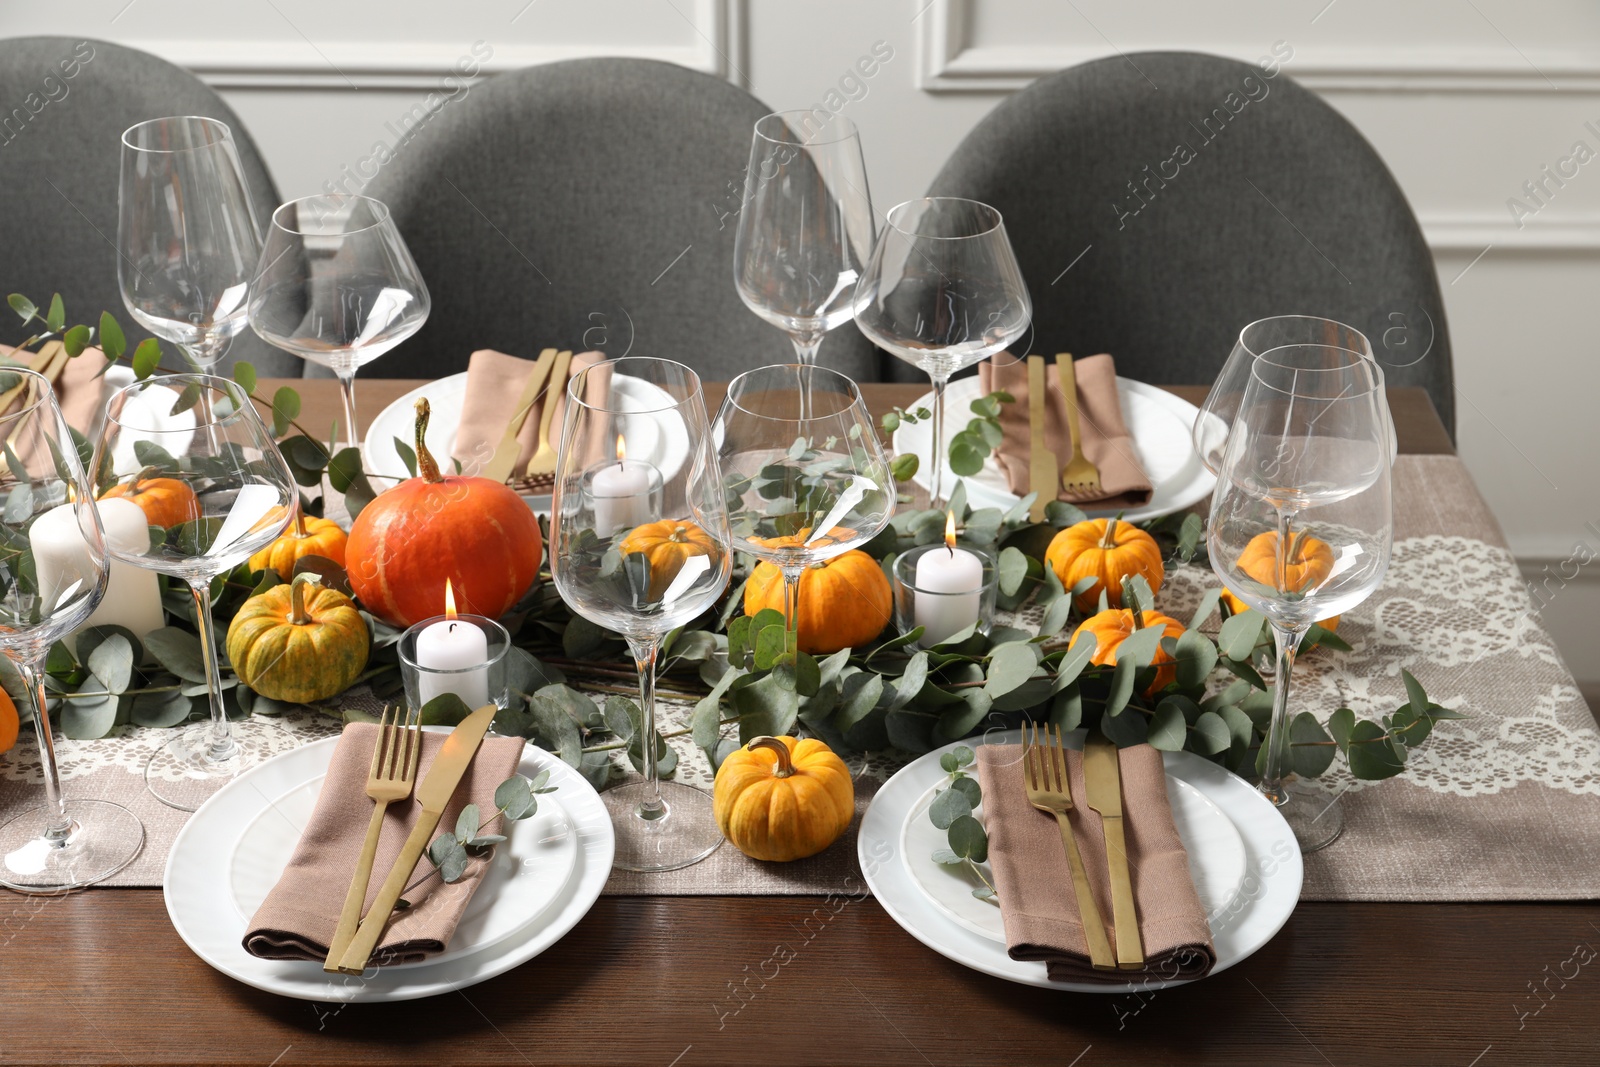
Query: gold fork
x: 1079, y: 476
x: 393, y: 772
x: 543, y: 462
x: 1049, y: 790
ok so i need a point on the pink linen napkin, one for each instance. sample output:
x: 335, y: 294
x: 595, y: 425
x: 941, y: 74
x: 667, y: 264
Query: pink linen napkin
x: 79, y: 389
x: 494, y: 385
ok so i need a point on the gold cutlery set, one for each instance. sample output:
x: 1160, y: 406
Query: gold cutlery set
x: 1078, y: 477
x: 541, y: 469
x: 1050, y: 790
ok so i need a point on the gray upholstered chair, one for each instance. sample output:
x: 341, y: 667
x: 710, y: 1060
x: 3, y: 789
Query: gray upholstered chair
x: 60, y: 154
x: 586, y: 204
x: 1155, y: 223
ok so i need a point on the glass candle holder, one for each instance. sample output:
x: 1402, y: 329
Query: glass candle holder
x: 944, y: 589
x: 621, y: 495
x: 462, y: 654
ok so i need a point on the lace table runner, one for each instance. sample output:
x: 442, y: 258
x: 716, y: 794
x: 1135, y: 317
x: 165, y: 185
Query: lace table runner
x: 1498, y: 806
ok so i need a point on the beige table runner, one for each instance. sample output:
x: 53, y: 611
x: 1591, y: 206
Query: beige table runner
x: 1499, y: 806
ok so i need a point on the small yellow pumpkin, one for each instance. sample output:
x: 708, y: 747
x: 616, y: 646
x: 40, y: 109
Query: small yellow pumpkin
x: 667, y: 545
x: 307, y: 537
x: 297, y: 644
x: 1108, y: 551
x: 844, y: 601
x: 1112, y: 627
x: 782, y: 798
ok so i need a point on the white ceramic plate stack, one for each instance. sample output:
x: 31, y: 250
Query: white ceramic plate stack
x: 1242, y: 855
x: 543, y: 879
x: 1159, y: 422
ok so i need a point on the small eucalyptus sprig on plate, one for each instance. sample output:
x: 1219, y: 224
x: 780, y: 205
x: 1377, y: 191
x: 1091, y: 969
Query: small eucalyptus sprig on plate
x: 951, y: 811
x: 516, y: 797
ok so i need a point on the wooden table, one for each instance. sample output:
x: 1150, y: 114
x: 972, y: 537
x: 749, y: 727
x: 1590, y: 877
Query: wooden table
x: 101, y: 977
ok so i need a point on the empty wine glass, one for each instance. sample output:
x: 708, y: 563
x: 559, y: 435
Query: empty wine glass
x: 943, y: 291
x: 338, y: 287
x: 805, y: 476
x: 639, y: 545
x: 237, y: 498
x: 1222, y: 402
x: 1301, y: 523
x: 52, y: 575
x: 805, y: 225
x: 186, y: 234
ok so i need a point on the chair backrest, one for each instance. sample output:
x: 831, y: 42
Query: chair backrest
x: 66, y: 103
x: 1161, y: 201
x: 585, y: 204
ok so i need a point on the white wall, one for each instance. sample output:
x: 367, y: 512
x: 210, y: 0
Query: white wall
x: 1466, y: 101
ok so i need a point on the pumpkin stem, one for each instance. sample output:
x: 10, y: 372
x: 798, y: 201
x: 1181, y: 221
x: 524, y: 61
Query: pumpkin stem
x: 785, y: 766
x: 297, y: 598
x: 1109, y: 541
x: 426, y: 465
x: 142, y: 477
x: 299, y: 522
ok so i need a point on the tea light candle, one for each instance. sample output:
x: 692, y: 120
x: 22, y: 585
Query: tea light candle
x: 455, y: 646
x: 621, y: 494
x: 61, y: 557
x: 956, y: 574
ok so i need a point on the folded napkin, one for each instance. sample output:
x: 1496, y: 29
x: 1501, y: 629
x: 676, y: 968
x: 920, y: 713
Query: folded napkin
x: 79, y: 389
x: 494, y: 387
x: 1123, y: 482
x: 301, y: 913
x: 1034, y: 880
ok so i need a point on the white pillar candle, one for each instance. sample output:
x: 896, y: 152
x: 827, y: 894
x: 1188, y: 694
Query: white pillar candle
x: 452, y: 644
x: 621, y: 494
x: 133, y: 593
x: 956, y: 575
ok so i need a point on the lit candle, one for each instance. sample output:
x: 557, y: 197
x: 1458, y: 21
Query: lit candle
x: 60, y: 557
x: 621, y: 494
x: 458, y: 647
x: 955, y: 576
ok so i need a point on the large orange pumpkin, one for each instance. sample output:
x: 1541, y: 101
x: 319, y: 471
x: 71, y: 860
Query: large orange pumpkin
x: 166, y: 502
x: 473, y: 532
x: 1108, y: 551
x: 667, y: 545
x: 1112, y: 627
x: 844, y: 601
x: 307, y: 537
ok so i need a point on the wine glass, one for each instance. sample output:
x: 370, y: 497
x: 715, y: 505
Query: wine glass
x: 805, y: 225
x: 52, y: 575
x: 639, y: 545
x: 1301, y: 522
x: 237, y: 498
x: 1221, y: 405
x: 338, y: 287
x: 805, y: 476
x: 943, y: 291
x: 186, y: 234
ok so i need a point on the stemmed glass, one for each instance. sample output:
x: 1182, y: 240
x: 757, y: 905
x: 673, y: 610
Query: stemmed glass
x: 204, y: 432
x: 943, y: 291
x: 639, y: 545
x: 1221, y: 405
x: 338, y: 287
x: 805, y: 225
x: 805, y: 476
x: 52, y: 575
x: 186, y: 234
x: 1301, y: 523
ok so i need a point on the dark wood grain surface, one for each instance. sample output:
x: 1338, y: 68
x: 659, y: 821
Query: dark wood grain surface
x: 102, y: 976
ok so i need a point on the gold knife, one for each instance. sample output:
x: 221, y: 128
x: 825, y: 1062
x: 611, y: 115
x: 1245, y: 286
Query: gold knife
x: 433, y: 794
x: 1041, y: 461
x: 498, y: 469
x: 1102, y: 778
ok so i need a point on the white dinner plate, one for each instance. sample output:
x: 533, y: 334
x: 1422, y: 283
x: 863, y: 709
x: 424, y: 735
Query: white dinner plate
x: 1160, y: 423
x: 543, y: 879
x: 1241, y: 920
x: 1216, y: 859
x: 649, y: 438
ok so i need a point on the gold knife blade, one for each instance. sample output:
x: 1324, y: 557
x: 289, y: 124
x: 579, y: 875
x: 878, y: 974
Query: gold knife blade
x: 1102, y: 779
x: 433, y: 794
x: 498, y: 468
x: 1041, y: 461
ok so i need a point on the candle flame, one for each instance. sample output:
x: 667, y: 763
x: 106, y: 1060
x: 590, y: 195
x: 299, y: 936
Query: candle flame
x: 622, y: 450
x: 449, y: 600
x: 950, y: 530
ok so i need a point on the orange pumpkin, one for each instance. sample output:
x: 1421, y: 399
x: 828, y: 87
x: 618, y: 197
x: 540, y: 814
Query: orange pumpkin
x: 1309, y: 562
x: 782, y: 799
x: 1112, y: 627
x: 1235, y: 606
x: 1108, y: 551
x: 473, y: 532
x: 844, y: 601
x: 667, y: 545
x: 308, y: 537
x: 10, y: 722
x: 166, y: 502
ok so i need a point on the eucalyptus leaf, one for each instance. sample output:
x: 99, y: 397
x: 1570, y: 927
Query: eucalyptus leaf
x: 1311, y: 749
x: 1168, y: 728
x: 88, y: 718
x: 1239, y: 635
x: 448, y: 855
x: 946, y: 857
x: 948, y: 806
x: 968, y: 839
x: 1370, y: 755
x: 1211, y: 734
x: 178, y: 651
x: 1340, y: 725
x: 467, y: 823
x: 159, y: 710
x: 1203, y: 610
x: 1122, y: 679
x: 1196, y: 658
x: 1009, y: 667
